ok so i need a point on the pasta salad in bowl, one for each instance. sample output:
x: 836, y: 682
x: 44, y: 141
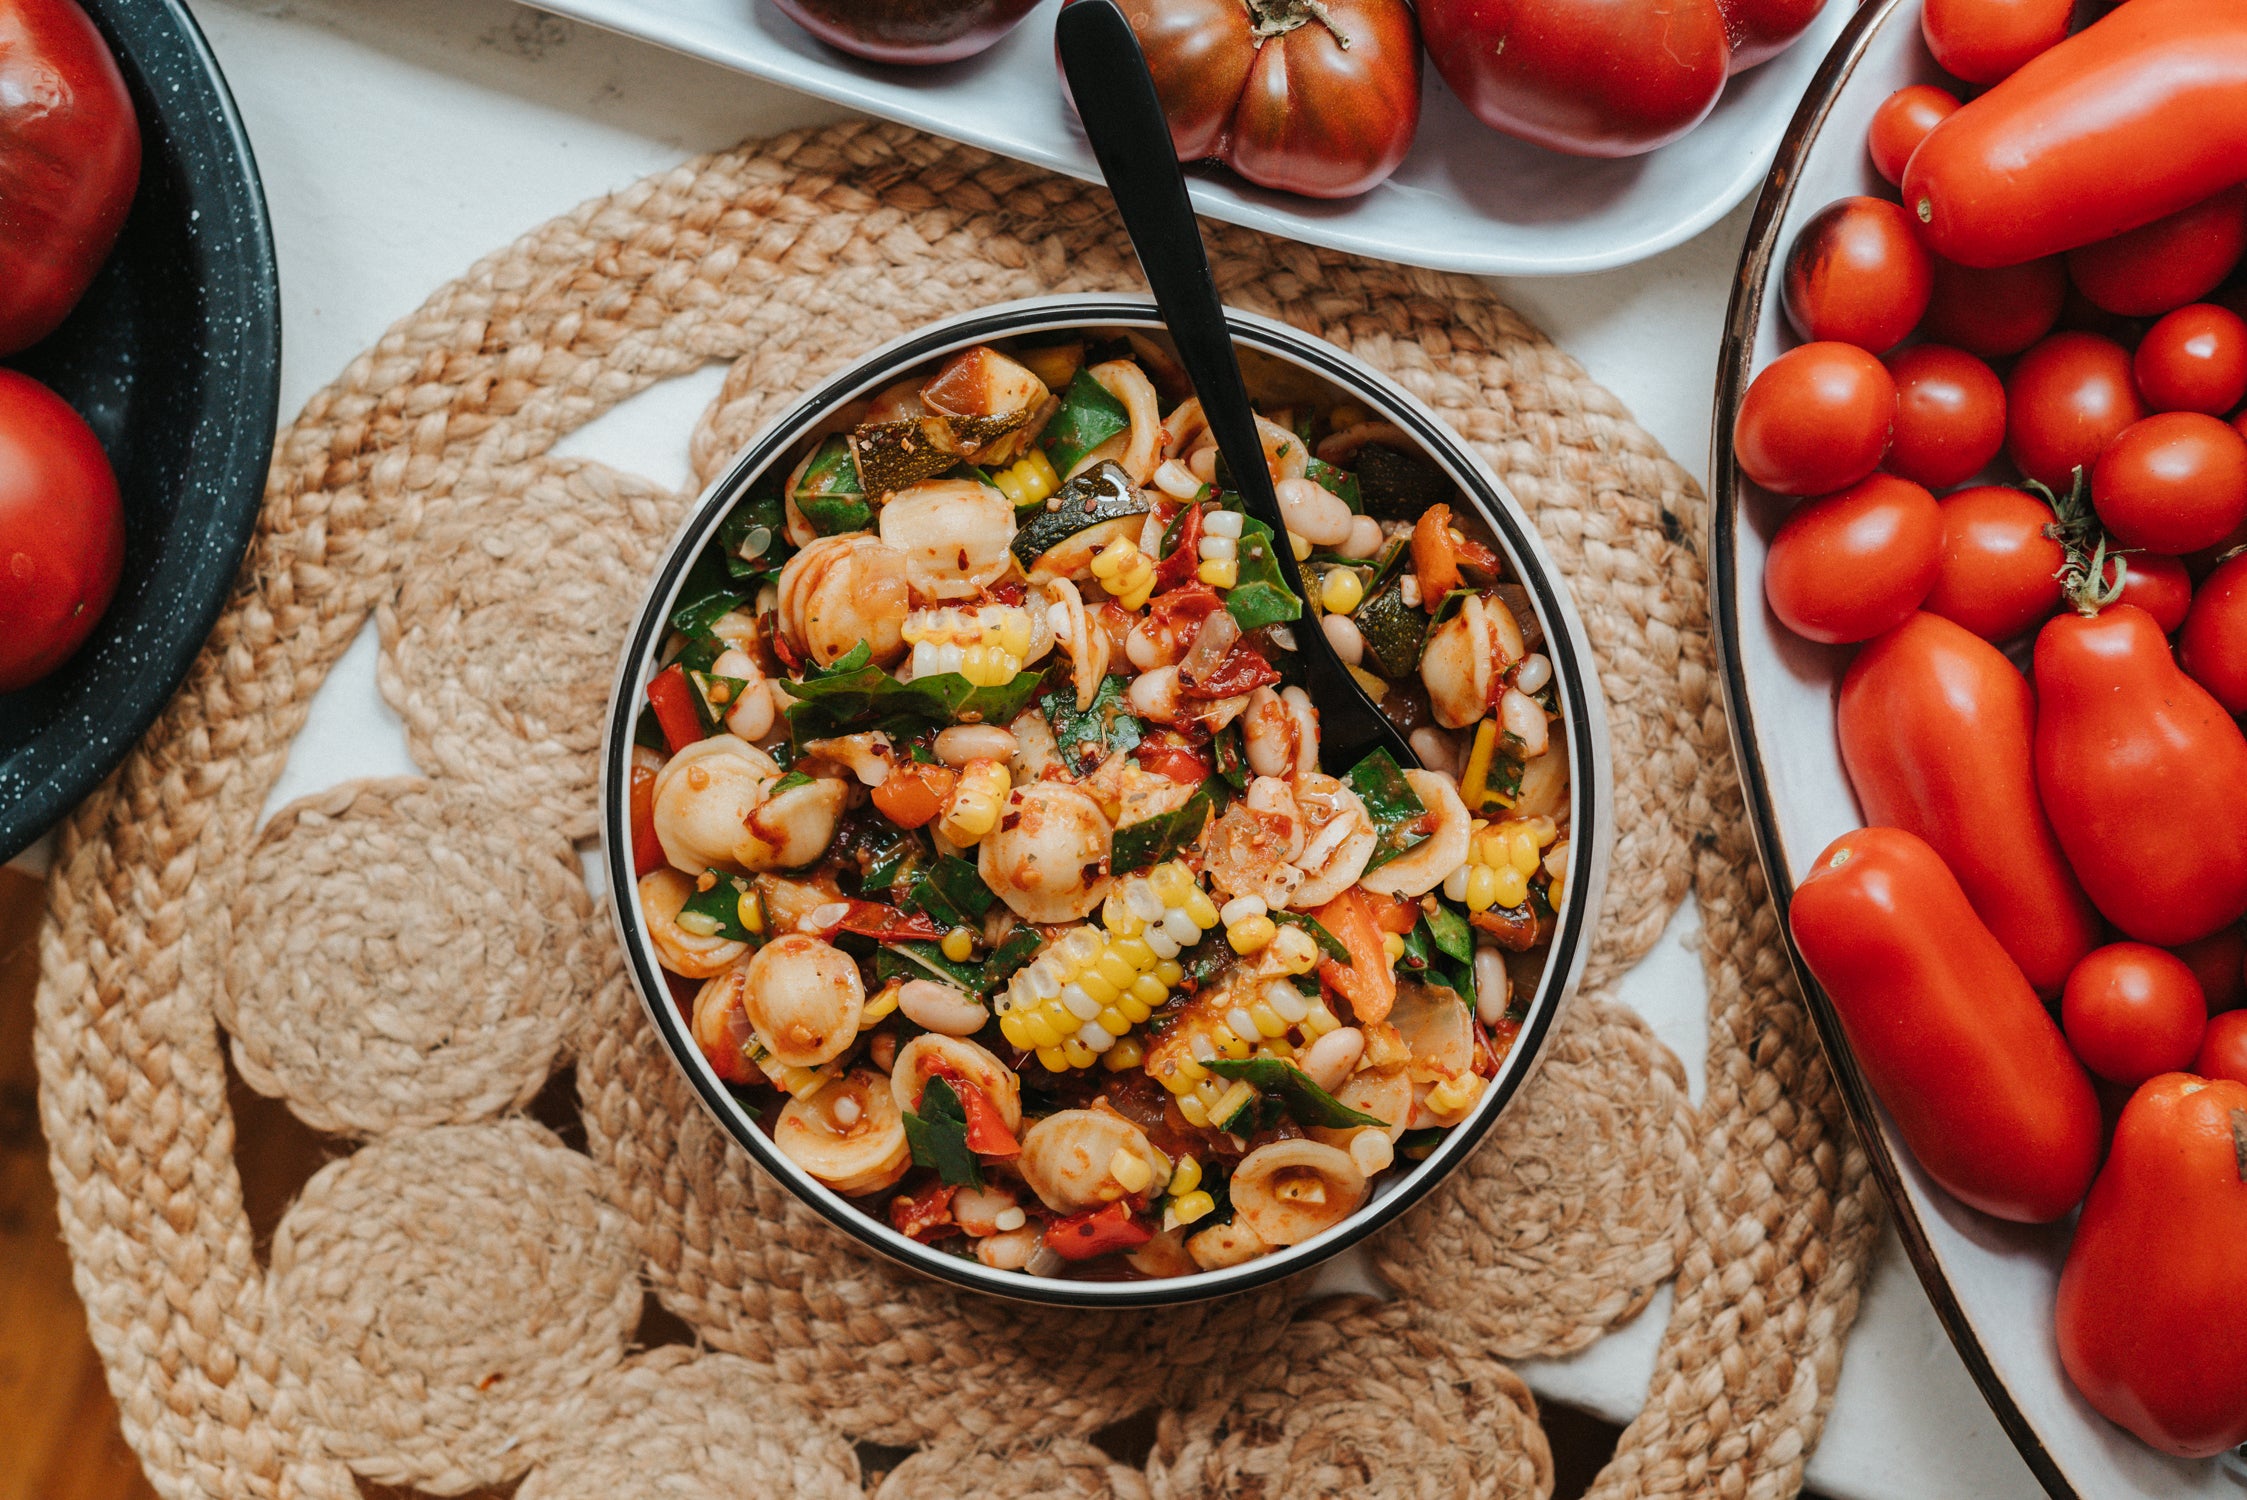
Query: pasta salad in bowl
x: 971, y: 841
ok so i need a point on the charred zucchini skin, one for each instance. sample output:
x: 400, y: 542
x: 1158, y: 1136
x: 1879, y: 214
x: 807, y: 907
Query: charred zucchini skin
x: 1398, y: 486
x: 892, y: 455
x: 1395, y: 632
x: 1101, y: 493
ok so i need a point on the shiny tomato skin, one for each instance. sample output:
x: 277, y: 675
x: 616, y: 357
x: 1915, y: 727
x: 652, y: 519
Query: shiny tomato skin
x: 1981, y: 41
x: 2152, y: 772
x: 1847, y: 566
x: 2068, y: 397
x: 1994, y: 313
x: 69, y: 162
x: 2223, y: 1048
x: 2166, y: 264
x: 1857, y: 273
x: 1762, y: 29
x: 1944, y: 1028
x: 1815, y: 420
x: 62, y: 531
x: 1327, y: 120
x: 1902, y: 122
x: 1585, y: 77
x: 909, y: 34
x: 2000, y: 574
x: 1937, y: 732
x: 2213, y: 646
x: 1950, y: 415
x: 2156, y: 584
x: 2194, y: 359
x: 2219, y: 962
x: 2131, y: 1012
x: 2172, y: 483
x: 2148, y: 1313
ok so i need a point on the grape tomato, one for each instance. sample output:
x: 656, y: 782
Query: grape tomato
x: 1994, y: 313
x: 1815, y: 420
x: 2172, y: 483
x: 1857, y: 273
x: 2067, y: 398
x: 2194, y: 359
x: 2165, y: 264
x: 2213, y: 646
x: 1902, y: 122
x: 1983, y: 41
x: 1950, y: 415
x: 1848, y: 566
x: 2132, y: 1012
x: 2000, y: 573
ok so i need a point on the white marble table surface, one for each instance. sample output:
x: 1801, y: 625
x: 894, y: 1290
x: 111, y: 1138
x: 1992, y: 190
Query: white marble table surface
x: 401, y: 139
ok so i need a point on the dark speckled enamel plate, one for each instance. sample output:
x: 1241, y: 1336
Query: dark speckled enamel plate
x: 174, y: 357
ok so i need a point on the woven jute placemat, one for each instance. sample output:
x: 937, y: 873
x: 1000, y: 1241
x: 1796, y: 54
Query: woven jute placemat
x: 452, y: 1304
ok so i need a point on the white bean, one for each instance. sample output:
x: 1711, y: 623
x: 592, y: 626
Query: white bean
x: 1343, y: 635
x: 1523, y: 717
x: 1176, y: 480
x: 1009, y: 1249
x: 1328, y: 1060
x: 1494, y: 986
x: 1534, y: 672
x: 939, y: 1007
x: 1314, y: 513
x: 1435, y: 749
x: 962, y: 743
x: 1365, y: 538
x: 1202, y: 464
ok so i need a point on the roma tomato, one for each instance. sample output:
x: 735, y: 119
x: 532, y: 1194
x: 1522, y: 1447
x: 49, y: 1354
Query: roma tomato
x: 1816, y: 419
x: 1994, y: 313
x: 1950, y: 415
x: 2213, y: 647
x: 1319, y: 100
x: 1938, y: 731
x: 62, y: 531
x: 2219, y: 962
x: 2067, y: 399
x: 1846, y: 567
x: 2195, y: 359
x: 1982, y: 41
x: 69, y: 161
x: 1588, y: 77
x: 2167, y: 263
x: 2151, y: 772
x: 2149, y: 1307
x: 2131, y: 1012
x: 2172, y: 483
x: 2158, y: 585
x: 2223, y: 1048
x: 1945, y: 1029
x: 1762, y: 29
x: 1902, y: 122
x: 2000, y: 573
x: 1857, y: 274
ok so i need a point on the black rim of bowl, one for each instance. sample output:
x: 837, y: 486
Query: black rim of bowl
x: 1733, y: 369
x: 1587, y: 772
x: 100, y: 702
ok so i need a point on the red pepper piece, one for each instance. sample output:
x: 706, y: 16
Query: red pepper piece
x: 1243, y: 670
x: 673, y: 700
x: 923, y: 1214
x: 1173, y: 760
x: 1178, y: 566
x: 987, y: 1134
x: 647, y: 850
x: 886, y: 924
x: 1096, y: 1231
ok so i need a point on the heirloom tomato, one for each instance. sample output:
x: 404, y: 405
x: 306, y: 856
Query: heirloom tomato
x: 1815, y: 419
x: 1857, y: 273
x: 1847, y: 566
x: 2213, y: 647
x: 2067, y: 399
x: 2195, y: 359
x: 1982, y: 41
x: 2131, y: 1011
x: 2000, y: 573
x: 62, y: 531
x: 1994, y: 313
x: 1902, y: 122
x: 1950, y: 415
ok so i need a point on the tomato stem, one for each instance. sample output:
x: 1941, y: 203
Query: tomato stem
x: 2075, y: 526
x: 1270, y: 18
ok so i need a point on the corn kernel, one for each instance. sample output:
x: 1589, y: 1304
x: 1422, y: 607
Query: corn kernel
x: 1130, y: 1170
x: 1097, y: 985
x: 1299, y: 545
x: 1149, y: 991
x: 1320, y: 1021
x: 1393, y: 946
x: 1510, y: 885
x: 1009, y: 484
x: 958, y: 944
x: 1078, y: 1054
x: 1341, y: 592
x: 1113, y: 1021
x: 1044, y: 1035
x: 1454, y: 1095
x: 1251, y: 936
x: 1125, y: 1055
x: 1201, y: 909
x: 1235, y: 1048
x: 1117, y: 916
x: 1054, y: 1059
x: 1016, y: 1030
x: 1136, y: 954
x: 1220, y: 573
x: 1278, y: 1046
x: 1188, y: 1208
x: 1041, y: 469
x: 1116, y: 969
x: 1232, y: 1101
x: 750, y: 911
x: 1240, y: 909
x: 1133, y: 1009
x: 1170, y: 971
x: 879, y: 1004
x: 1266, y: 1020
x: 1188, y: 1073
x: 1195, y: 1115
x: 1296, y: 951
x: 1482, y: 887
x: 1185, y: 1176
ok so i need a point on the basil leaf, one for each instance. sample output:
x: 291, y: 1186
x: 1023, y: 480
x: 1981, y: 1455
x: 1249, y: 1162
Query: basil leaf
x: 937, y: 1134
x: 951, y: 892
x: 714, y: 697
x: 709, y: 592
x: 753, y: 538
x: 1260, y: 595
x: 831, y: 475
x: 1335, y: 481
x: 854, y: 694
x: 647, y: 731
x: 1449, y: 932
x: 722, y: 905
x: 1088, y: 417
x: 893, y: 864
x: 1416, y: 950
x: 1306, y: 1103
x: 1329, y: 944
x: 834, y: 515
x: 789, y: 783
x: 1086, y: 739
x: 1392, y: 803
x: 1138, y: 845
x: 1232, y: 760
x: 1449, y: 605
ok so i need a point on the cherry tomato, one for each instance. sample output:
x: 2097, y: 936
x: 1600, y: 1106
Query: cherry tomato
x: 1950, y: 415
x: 1857, y: 274
x: 2000, y: 573
x: 1950, y: 1036
x: 1902, y: 122
x: 2148, y: 1310
x: 1816, y: 419
x: 62, y: 531
x: 2156, y: 584
x: 69, y: 161
x: 2131, y: 1012
x: 1322, y: 101
x: 2219, y: 962
x: 1588, y: 77
x: 2067, y: 399
x: 913, y: 794
x: 2194, y: 359
x: 1937, y: 732
x: 1997, y: 312
x: 2167, y: 263
x: 2172, y: 483
x: 1847, y: 566
x: 2213, y: 647
x: 1982, y: 41
x: 2151, y: 774
x: 2223, y: 1048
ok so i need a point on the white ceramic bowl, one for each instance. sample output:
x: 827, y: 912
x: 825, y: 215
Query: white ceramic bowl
x: 1992, y: 1283
x: 1573, y: 670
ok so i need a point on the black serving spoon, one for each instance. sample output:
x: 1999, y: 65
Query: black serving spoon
x: 1115, y: 98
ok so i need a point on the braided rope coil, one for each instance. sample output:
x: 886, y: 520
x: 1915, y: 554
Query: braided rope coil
x: 368, y: 1345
